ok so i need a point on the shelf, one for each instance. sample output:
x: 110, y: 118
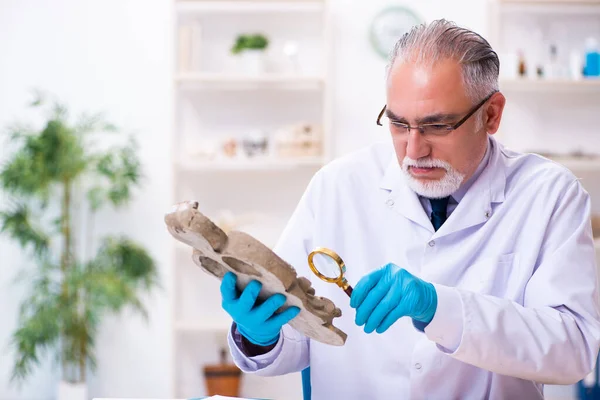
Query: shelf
x: 242, y: 6
x: 590, y: 85
x: 552, y: 2
x: 206, y: 327
x: 249, y: 165
x: 579, y: 165
x: 194, y: 81
x: 550, y: 7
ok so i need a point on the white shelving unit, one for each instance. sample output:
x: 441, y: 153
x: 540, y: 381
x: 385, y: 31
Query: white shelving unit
x: 550, y: 7
x: 568, y: 86
x: 220, y: 103
x: 554, y: 114
x: 249, y: 6
x: 542, y: 111
x: 551, y: 2
x: 248, y: 166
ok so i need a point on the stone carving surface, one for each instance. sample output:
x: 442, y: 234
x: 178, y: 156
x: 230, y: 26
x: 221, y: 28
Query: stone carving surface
x: 216, y: 253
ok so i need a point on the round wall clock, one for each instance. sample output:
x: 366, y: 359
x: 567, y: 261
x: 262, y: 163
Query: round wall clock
x: 389, y: 25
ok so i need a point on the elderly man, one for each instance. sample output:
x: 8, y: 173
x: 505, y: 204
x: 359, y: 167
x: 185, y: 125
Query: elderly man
x: 474, y: 265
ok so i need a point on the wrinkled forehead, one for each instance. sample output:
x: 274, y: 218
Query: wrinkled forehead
x: 414, y: 89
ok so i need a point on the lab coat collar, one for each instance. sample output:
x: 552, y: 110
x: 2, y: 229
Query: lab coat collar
x: 475, y: 208
x: 400, y: 197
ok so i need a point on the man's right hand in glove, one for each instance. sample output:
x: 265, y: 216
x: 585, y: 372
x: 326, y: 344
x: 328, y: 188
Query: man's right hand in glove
x: 258, y: 323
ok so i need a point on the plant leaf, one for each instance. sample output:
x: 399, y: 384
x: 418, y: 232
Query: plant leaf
x: 128, y: 258
x: 39, y: 98
x: 24, y: 175
x: 115, y: 275
x: 39, y: 328
x: 18, y: 131
x: 54, y: 155
x: 89, y: 123
x: 96, y: 196
x: 18, y: 224
x: 120, y: 168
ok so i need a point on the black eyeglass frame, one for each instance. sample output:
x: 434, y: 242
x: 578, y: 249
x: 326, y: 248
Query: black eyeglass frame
x: 447, y: 126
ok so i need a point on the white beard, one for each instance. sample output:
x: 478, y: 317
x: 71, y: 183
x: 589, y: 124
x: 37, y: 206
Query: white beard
x: 444, y: 187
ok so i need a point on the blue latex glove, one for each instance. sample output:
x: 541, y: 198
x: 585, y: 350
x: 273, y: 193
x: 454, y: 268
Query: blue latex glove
x: 256, y: 322
x: 389, y: 293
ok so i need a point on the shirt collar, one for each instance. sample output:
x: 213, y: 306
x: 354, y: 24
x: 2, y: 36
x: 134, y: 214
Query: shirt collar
x: 486, y: 188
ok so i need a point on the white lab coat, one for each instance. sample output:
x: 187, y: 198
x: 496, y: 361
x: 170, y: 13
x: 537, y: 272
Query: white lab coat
x: 514, y: 268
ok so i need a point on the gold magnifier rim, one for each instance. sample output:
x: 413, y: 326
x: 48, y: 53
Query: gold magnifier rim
x: 338, y: 260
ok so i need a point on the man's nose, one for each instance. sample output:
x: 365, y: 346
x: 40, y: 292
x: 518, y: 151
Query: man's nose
x: 416, y: 146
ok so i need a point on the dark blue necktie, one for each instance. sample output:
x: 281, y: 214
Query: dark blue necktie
x: 438, y: 211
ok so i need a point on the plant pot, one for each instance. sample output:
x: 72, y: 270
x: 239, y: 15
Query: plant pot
x: 252, y: 61
x: 71, y: 391
x: 222, y: 379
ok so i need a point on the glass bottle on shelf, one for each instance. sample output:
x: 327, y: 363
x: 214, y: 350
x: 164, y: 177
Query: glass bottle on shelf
x: 522, y: 64
x: 553, y: 67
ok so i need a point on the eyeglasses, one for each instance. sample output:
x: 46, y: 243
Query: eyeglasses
x: 434, y: 129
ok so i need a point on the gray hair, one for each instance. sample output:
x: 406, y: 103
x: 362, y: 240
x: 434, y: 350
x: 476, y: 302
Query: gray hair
x: 440, y: 40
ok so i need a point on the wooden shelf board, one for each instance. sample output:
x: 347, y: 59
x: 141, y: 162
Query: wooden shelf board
x: 550, y: 85
x: 245, y: 6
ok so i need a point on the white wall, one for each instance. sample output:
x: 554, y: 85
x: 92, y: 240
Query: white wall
x: 114, y: 55
x: 359, y: 71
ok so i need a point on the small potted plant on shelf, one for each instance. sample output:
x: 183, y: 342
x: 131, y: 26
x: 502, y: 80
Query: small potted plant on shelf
x: 55, y: 178
x: 251, y: 48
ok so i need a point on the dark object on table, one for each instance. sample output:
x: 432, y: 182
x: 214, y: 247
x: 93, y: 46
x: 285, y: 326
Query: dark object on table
x: 222, y: 379
x: 596, y: 225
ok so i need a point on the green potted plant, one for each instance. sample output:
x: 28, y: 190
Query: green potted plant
x: 55, y: 179
x: 251, y: 49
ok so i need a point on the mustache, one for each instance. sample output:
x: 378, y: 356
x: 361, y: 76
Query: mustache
x: 426, y: 162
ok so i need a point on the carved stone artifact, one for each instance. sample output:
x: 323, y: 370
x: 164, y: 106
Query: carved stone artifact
x: 216, y: 253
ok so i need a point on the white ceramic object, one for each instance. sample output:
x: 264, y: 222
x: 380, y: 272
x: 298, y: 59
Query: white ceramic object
x: 576, y: 65
x: 71, y: 391
x: 290, y: 50
x: 252, y: 61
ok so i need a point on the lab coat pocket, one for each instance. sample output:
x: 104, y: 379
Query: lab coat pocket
x: 497, y: 275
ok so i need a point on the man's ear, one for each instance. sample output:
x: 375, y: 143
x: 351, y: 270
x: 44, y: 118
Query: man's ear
x: 493, y: 113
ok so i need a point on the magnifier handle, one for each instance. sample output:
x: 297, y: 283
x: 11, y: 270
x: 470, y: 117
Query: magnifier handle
x: 348, y: 291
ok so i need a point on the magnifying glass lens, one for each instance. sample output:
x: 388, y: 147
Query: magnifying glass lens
x: 327, y: 266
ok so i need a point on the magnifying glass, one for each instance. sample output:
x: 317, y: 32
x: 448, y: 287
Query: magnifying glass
x: 329, y: 267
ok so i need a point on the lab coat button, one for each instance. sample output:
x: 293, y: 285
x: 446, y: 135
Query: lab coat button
x: 418, y: 366
x: 488, y: 214
x: 431, y: 243
x: 390, y: 202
